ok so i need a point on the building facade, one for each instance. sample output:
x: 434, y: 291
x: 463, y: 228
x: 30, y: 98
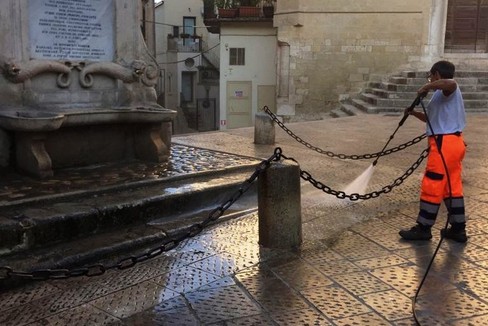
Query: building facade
x: 310, y: 56
x: 248, y: 61
x: 328, y: 50
x: 184, y: 51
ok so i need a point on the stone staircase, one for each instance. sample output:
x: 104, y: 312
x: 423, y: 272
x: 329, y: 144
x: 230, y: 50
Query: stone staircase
x: 398, y: 92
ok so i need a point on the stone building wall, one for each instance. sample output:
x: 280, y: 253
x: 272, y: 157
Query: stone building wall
x: 335, y: 46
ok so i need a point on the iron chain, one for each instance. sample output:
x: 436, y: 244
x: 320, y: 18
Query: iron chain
x: 354, y: 196
x: 342, y: 156
x: 99, y: 269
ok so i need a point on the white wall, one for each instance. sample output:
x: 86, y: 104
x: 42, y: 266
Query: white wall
x: 259, y: 40
x: 171, y: 12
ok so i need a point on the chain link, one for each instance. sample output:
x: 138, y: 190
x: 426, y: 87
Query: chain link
x: 342, y: 156
x: 354, y: 196
x: 99, y: 269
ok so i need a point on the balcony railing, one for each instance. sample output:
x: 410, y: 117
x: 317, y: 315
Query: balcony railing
x: 184, y: 43
x: 251, y: 14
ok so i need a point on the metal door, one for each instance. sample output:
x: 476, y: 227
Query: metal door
x: 206, y: 114
x: 239, y: 104
x: 187, y: 82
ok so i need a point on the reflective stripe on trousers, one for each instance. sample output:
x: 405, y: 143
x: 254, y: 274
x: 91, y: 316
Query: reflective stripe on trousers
x: 435, y: 187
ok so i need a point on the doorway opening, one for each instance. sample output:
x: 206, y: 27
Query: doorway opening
x: 467, y: 26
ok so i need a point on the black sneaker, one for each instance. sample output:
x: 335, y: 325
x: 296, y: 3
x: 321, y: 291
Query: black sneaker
x: 456, y: 235
x: 418, y: 232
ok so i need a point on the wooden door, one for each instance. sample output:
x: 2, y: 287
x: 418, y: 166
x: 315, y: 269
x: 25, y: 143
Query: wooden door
x: 466, y: 29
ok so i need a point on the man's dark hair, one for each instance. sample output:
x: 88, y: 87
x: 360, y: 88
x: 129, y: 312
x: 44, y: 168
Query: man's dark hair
x: 445, y: 69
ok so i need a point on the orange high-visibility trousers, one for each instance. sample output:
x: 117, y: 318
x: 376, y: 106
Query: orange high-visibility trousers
x: 435, y: 185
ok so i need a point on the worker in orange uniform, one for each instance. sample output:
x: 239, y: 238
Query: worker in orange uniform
x: 445, y: 122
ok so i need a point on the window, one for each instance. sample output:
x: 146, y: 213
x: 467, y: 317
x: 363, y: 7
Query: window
x: 237, y: 56
x: 189, y: 28
x: 189, y: 25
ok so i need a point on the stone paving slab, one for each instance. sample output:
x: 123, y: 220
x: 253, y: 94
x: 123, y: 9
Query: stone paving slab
x: 89, y: 213
x: 206, y: 282
x: 185, y: 161
x: 357, y: 273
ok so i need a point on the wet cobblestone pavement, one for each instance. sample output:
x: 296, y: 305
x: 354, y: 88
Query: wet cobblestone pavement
x: 351, y: 270
x: 184, y: 160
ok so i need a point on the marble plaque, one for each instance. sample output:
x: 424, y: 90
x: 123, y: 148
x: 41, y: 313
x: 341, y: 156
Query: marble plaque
x: 78, y: 30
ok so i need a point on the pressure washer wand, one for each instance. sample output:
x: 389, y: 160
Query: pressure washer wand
x: 405, y: 116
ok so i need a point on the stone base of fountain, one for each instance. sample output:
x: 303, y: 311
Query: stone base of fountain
x: 72, y: 100
x: 46, y: 141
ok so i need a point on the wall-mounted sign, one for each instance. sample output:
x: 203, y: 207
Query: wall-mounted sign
x: 72, y: 29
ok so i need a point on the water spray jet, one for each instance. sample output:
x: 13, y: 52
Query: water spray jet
x: 360, y: 184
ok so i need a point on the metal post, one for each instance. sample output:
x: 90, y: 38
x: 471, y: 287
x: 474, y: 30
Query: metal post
x: 279, y: 207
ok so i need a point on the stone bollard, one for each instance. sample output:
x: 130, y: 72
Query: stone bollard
x: 264, y: 129
x: 279, y: 208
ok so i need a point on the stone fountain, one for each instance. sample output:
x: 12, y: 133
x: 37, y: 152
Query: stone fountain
x: 77, y: 86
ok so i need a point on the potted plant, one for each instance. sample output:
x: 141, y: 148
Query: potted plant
x: 268, y: 8
x: 226, y: 8
x: 249, y: 8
